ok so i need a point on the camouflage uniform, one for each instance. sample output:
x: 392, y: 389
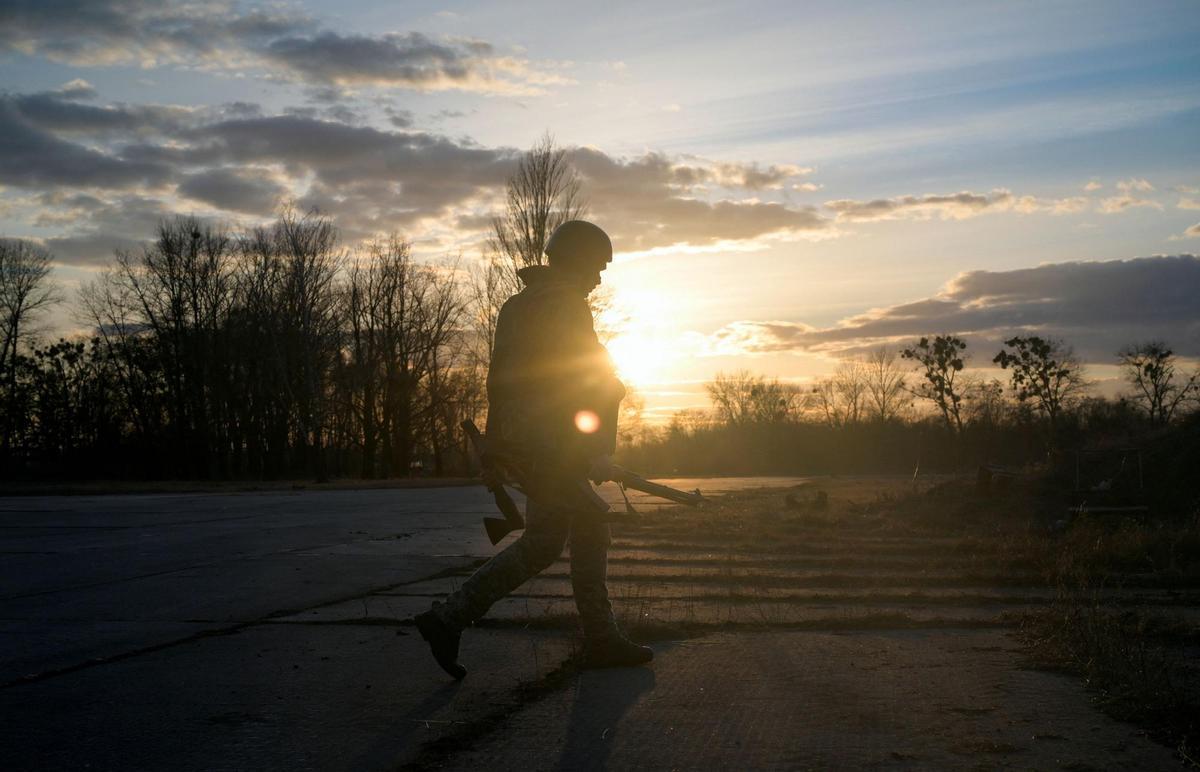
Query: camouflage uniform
x: 547, y: 365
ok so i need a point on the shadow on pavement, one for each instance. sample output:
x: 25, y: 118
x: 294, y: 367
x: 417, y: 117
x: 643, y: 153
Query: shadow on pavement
x: 601, y: 700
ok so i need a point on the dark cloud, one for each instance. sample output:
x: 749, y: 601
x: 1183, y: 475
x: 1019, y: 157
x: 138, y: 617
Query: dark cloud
x: 1096, y: 306
x: 35, y: 158
x: 290, y: 46
x: 369, y: 179
x: 401, y: 119
x: 411, y: 60
x: 60, y: 111
x: 237, y: 190
x: 145, y: 32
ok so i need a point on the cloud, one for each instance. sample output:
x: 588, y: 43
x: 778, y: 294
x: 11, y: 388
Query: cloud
x: 410, y: 60
x: 122, y: 223
x: 1188, y: 203
x: 954, y: 206
x: 141, y: 32
x: 33, y: 157
x: 1056, y: 206
x: 1091, y: 186
x: 76, y: 89
x: 1129, y: 197
x: 218, y: 35
x: 253, y: 191
x: 691, y: 171
x: 62, y: 111
x: 236, y: 158
x: 647, y: 202
x: 1095, y: 306
x: 1192, y: 232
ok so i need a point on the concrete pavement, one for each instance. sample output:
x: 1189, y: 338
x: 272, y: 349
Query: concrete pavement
x: 146, y: 631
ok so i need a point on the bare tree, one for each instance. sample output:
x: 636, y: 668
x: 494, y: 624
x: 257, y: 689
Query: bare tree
x: 441, y: 319
x: 24, y: 293
x: 985, y: 404
x: 1150, y: 368
x: 841, y: 399
x: 543, y: 193
x: 182, y: 290
x: 489, y: 287
x: 305, y: 248
x: 887, y: 397
x: 741, y: 399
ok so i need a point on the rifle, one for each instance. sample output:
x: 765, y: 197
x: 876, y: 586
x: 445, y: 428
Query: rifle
x: 502, y: 465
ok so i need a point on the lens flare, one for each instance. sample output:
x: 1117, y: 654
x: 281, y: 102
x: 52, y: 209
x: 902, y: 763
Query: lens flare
x: 587, y: 422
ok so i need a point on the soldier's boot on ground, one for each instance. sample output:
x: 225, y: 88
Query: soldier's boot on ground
x: 615, y: 651
x: 443, y: 642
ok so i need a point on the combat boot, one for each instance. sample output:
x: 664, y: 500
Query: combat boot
x: 616, y: 651
x: 443, y: 642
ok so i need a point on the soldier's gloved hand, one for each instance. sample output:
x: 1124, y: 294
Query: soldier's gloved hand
x: 600, y: 469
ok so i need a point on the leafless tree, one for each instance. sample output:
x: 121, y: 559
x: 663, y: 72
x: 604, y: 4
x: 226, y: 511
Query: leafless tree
x: 441, y: 331
x: 841, y: 399
x: 305, y: 250
x: 887, y: 397
x: 24, y: 294
x: 489, y: 287
x: 1151, y: 369
x: 181, y: 290
x: 543, y: 192
x: 985, y: 403
x: 741, y: 399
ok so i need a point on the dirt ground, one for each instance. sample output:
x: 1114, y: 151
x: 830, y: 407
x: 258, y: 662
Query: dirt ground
x: 845, y: 623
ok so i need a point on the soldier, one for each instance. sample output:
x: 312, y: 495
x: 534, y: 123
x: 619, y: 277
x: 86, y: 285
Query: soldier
x: 552, y: 391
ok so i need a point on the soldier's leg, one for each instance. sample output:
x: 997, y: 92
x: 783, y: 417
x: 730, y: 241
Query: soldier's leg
x: 590, y: 540
x: 541, y: 543
x: 604, y: 645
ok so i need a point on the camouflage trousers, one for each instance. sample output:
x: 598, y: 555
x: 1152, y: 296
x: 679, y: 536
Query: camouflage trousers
x: 547, y: 527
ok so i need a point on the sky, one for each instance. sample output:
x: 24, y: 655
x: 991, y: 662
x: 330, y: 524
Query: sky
x: 786, y: 184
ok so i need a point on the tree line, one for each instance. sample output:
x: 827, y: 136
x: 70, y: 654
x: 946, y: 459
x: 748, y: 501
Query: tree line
x: 271, y: 353
x: 920, y: 406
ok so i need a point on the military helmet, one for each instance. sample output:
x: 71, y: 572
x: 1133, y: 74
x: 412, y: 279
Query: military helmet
x: 578, y: 244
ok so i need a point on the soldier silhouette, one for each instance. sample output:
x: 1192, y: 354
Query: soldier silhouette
x: 552, y: 391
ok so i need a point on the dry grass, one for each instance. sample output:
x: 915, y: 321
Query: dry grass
x: 1135, y: 655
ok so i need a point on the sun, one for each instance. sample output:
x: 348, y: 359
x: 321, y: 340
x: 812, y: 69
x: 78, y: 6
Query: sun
x: 638, y: 359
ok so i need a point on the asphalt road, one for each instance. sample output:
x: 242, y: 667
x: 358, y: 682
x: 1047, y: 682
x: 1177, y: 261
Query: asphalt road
x: 120, y: 611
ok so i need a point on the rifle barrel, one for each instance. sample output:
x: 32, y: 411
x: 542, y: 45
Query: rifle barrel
x: 638, y: 483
